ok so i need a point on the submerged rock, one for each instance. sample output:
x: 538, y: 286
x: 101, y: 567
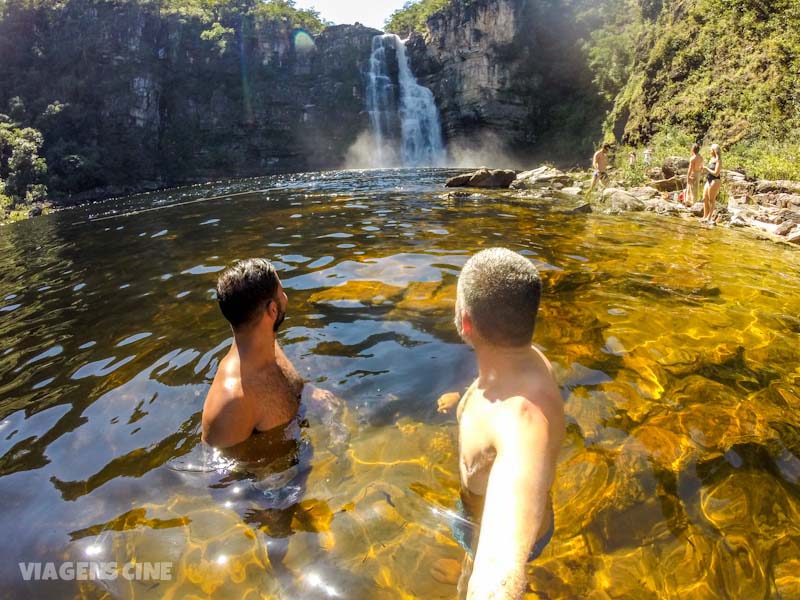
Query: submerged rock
x: 576, y: 190
x: 621, y: 201
x: 664, y: 207
x: 562, y: 194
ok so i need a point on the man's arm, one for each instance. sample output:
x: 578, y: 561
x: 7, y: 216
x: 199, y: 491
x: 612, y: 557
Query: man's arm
x: 516, y: 501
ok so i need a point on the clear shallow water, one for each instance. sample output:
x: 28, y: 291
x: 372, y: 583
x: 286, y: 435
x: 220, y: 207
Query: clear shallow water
x: 677, y: 350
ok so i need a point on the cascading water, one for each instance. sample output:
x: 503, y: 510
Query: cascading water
x: 403, y: 113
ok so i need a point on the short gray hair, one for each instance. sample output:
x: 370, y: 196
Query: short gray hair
x: 500, y: 291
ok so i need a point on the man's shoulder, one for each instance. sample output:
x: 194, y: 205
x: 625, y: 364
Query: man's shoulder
x: 539, y: 403
x: 227, y: 415
x: 227, y: 385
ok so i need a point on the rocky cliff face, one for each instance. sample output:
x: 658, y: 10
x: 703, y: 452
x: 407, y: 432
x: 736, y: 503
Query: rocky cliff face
x: 123, y: 93
x: 509, y: 73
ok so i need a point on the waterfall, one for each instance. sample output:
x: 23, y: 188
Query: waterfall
x: 403, y: 115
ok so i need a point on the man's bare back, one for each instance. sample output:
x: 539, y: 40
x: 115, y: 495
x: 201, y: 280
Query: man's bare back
x: 256, y: 388
x: 269, y: 396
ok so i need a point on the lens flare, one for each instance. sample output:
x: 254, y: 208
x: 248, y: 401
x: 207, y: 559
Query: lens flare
x: 303, y: 42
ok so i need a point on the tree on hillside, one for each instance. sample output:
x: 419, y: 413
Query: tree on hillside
x: 22, y: 170
x: 413, y: 16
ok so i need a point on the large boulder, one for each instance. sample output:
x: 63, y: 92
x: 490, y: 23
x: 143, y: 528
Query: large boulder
x: 738, y: 175
x: 742, y: 217
x: 645, y: 192
x: 671, y: 184
x: 621, y: 201
x: 674, y: 165
x: 779, y: 199
x: 788, y: 219
x: 663, y: 207
x: 697, y: 209
x: 781, y: 186
x: 458, y: 180
x: 739, y: 188
x: 542, y: 177
x: 785, y: 228
x: 496, y: 178
x: 483, y: 178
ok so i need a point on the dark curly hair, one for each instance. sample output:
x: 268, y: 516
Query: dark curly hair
x: 245, y: 289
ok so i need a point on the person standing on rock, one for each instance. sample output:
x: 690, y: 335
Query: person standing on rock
x: 510, y: 426
x: 693, y: 177
x: 599, y: 164
x: 713, y: 183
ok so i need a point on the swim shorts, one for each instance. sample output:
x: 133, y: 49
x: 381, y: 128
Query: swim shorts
x: 464, y: 533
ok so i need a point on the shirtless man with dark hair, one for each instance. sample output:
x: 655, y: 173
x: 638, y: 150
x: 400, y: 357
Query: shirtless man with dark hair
x: 255, y: 388
x: 511, y: 426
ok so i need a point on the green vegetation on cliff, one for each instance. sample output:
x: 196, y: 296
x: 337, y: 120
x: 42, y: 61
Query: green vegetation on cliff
x: 413, y: 16
x: 22, y: 171
x: 121, y: 92
x: 725, y: 71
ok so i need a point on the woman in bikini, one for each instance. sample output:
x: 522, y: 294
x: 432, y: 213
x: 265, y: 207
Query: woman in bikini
x: 693, y: 177
x: 713, y: 183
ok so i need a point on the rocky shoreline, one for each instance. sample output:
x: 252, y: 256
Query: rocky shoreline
x: 770, y: 209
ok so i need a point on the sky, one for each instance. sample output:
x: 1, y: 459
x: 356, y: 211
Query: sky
x: 372, y: 13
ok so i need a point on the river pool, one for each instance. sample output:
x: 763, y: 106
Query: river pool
x: 677, y: 349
